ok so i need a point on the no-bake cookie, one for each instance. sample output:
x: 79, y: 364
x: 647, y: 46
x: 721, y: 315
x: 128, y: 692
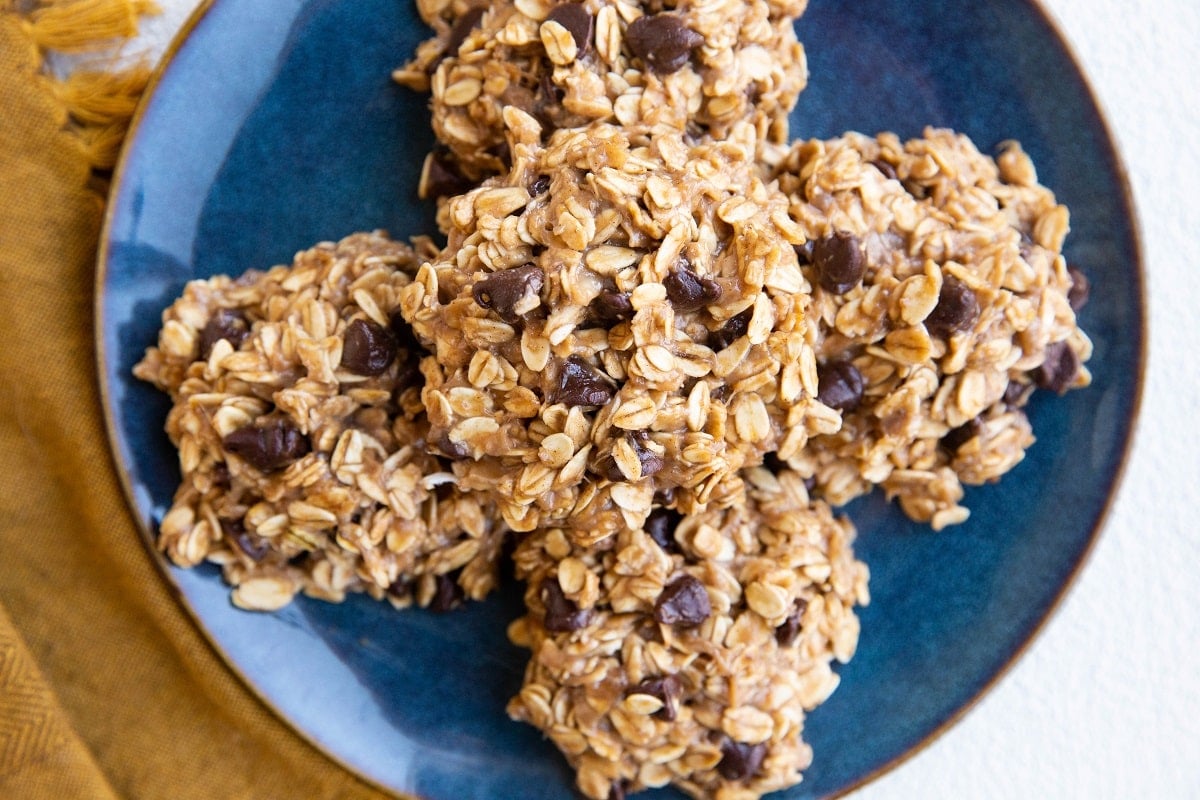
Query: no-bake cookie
x: 301, y: 436
x: 704, y: 66
x: 688, y: 651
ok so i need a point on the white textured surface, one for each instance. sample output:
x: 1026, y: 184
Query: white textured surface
x: 1106, y: 703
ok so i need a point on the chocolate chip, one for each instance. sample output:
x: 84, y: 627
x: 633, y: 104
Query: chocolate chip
x: 687, y: 291
x: 447, y: 594
x: 252, y: 546
x: 540, y: 185
x: 451, y: 449
x: 1081, y: 288
x: 562, y: 613
x: 957, y: 309
x: 399, y: 588
x: 268, y: 447
x: 662, y: 41
x: 804, y: 252
x: 840, y: 385
x: 578, y: 22
x: 227, y: 324
x: 734, y: 329
x: 788, y: 630
x: 368, y: 348
x: 667, y: 689
x: 840, y: 261
x: 612, y: 307
x: 957, y: 437
x: 580, y: 385
x: 607, y: 468
x: 409, y: 353
x: 441, y: 178
x: 887, y: 169
x: 660, y: 526
x: 502, y: 291
x: 1016, y: 393
x: 684, y: 602
x: 462, y: 28
x: 1059, y: 370
x: 651, y: 461
x: 740, y: 760
x: 618, y: 790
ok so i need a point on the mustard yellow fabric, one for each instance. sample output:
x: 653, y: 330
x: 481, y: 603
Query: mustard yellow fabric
x: 107, y: 690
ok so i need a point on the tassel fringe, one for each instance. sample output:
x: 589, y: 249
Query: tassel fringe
x: 82, y: 26
x: 97, y: 104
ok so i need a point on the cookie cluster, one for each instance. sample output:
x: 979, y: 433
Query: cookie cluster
x: 658, y: 347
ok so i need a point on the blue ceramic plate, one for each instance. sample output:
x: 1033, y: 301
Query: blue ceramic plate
x: 275, y: 125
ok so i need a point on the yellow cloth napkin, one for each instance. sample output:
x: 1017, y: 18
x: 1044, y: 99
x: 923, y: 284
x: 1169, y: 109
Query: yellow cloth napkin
x: 107, y: 689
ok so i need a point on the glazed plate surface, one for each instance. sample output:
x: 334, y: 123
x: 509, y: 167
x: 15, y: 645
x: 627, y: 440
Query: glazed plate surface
x: 275, y: 125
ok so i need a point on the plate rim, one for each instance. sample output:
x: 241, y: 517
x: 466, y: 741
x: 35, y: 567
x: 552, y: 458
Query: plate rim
x: 1131, y: 422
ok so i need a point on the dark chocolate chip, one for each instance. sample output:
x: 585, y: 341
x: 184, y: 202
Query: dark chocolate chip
x: 562, y: 613
x: 441, y: 178
x: 887, y: 169
x: 740, y: 760
x: 651, y: 461
x: 662, y: 41
x: 540, y: 185
x: 1015, y: 394
x: 227, y: 324
x: 268, y: 447
x: 957, y: 437
x: 957, y: 309
x: 368, y: 348
x: 580, y: 385
x: 399, y: 588
x: 462, y: 28
x: 1059, y: 370
x: 660, y: 526
x: 607, y: 467
x: 451, y: 449
x: 667, y: 689
x: 804, y: 252
x: 578, y: 22
x: 618, y: 790
x: 1080, y: 289
x: 409, y: 353
x: 684, y: 602
x: 253, y: 547
x: 447, y: 594
x: 502, y: 291
x: 840, y: 385
x: 687, y: 291
x: 612, y: 307
x: 733, y: 329
x: 788, y: 630
x: 840, y: 261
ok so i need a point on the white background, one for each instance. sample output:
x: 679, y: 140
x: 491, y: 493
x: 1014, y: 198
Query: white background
x: 1106, y: 703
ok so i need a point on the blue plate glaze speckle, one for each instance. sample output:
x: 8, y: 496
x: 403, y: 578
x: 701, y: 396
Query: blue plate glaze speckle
x: 276, y: 125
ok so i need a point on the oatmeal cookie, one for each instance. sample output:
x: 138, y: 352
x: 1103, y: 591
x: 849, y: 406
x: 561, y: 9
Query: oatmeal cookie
x: 620, y: 315
x: 689, y: 651
x: 302, y: 439
x: 943, y: 299
x: 701, y: 65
